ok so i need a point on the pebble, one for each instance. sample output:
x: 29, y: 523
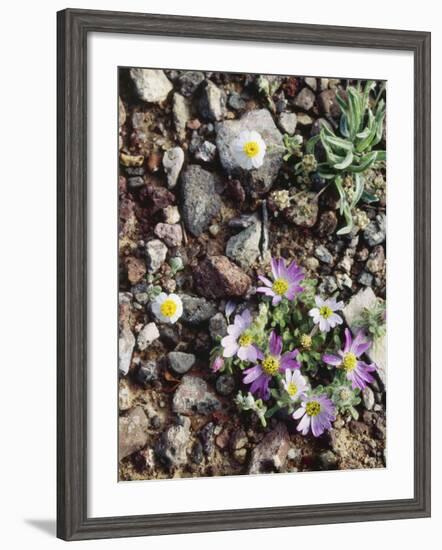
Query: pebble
x: 225, y: 384
x: 124, y: 396
x: 135, y: 182
x: 212, y: 101
x: 217, y: 327
x: 324, y: 255
x: 238, y: 440
x: 171, y: 214
x: 206, y: 152
x: 365, y: 278
x: 173, y: 160
x: 181, y: 114
x: 287, y: 122
x: 173, y: 444
x: 126, y: 344
x: 376, y: 260
x: 270, y: 455
x: 196, y: 310
x: 148, y: 334
x: 218, y: 277
x: 304, y: 209
x: 171, y: 234
x: 375, y: 231
x: 156, y: 252
x: 136, y: 269
x: 328, y: 460
x: 132, y: 431
x: 304, y: 119
x: 368, y: 398
x: 328, y: 104
x: 244, y: 248
x: 181, y: 362
x: 197, y: 453
x: 147, y: 373
x: 189, y: 81
x: 193, y: 396
x: 152, y: 85
x: 200, y: 201
x: 311, y: 82
x: 236, y: 102
x: 305, y: 99
x: 327, y: 223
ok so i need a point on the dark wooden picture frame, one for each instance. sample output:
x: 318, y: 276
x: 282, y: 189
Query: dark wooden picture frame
x: 73, y: 29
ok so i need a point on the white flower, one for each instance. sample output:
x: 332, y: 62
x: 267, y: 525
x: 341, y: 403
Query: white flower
x: 294, y: 384
x: 167, y: 308
x: 249, y: 150
x: 324, y: 314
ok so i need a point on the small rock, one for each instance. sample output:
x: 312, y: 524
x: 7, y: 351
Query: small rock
x: 156, y: 252
x: 121, y: 113
x: 218, y: 277
x: 156, y: 422
x: 135, y: 182
x: 328, y: 285
x: 311, y: 82
x: 328, y: 104
x: 193, y: 396
x: 305, y: 99
x: 152, y: 85
x: 238, y: 440
x: 148, y: 334
x: 324, y: 255
x: 311, y: 263
x: 132, y: 432
x: 304, y: 211
x: 196, y: 310
x: 225, y: 384
x: 368, y: 398
x: 214, y: 229
x: 217, y: 327
x: 173, y: 160
x: 304, y: 119
x: 328, y: 460
x: 136, y: 269
x: 201, y: 202
x: 376, y: 260
x: 181, y: 114
x: 365, y: 278
x: 206, y: 152
x: 236, y: 102
x: 181, y: 362
x: 172, y: 235
x: 124, y: 396
x: 147, y: 373
x: 171, y: 214
x: 206, y: 436
x: 375, y: 231
x: 158, y: 198
x: 287, y: 122
x: 197, y: 453
x: 270, y: 455
x: 240, y: 455
x: 212, y: 101
x: 171, y: 449
x: 244, y: 248
x: 359, y: 428
x: 126, y: 344
x: 236, y: 191
x: 222, y: 439
x: 259, y: 180
x: 189, y: 81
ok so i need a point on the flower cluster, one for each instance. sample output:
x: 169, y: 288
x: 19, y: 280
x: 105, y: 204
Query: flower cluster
x: 289, y: 348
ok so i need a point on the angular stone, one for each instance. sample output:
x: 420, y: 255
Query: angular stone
x: 375, y: 231
x: 376, y: 260
x: 287, y: 122
x: 212, y: 101
x: 189, y: 81
x: 328, y: 103
x: 156, y: 252
x: 182, y: 113
x: 172, y: 235
x: 136, y: 269
x: 200, y: 201
x: 132, y: 432
x: 270, y: 455
x: 171, y: 214
x: 218, y: 326
x: 126, y: 344
x: 193, y: 396
x: 152, y: 85
x: 218, y: 277
x: 172, y: 447
x: 259, y: 180
x: 148, y: 334
x: 305, y: 99
x: 196, y: 310
x: 244, y: 248
x: 121, y: 113
x: 173, y: 160
x: 181, y: 362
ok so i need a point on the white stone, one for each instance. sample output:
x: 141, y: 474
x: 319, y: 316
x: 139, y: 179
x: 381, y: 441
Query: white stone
x: 148, y: 334
x: 173, y: 160
x: 152, y: 85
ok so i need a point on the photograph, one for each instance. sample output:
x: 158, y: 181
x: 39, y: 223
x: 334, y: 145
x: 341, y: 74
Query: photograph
x: 252, y: 273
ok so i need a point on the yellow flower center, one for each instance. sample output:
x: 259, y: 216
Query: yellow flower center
x: 292, y: 389
x: 313, y: 408
x: 251, y: 148
x: 270, y: 365
x: 168, y: 308
x: 325, y: 312
x: 349, y: 362
x: 280, y: 287
x: 245, y: 340
x: 306, y: 342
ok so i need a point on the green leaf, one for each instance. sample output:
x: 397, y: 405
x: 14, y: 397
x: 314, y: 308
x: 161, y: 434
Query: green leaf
x: 368, y: 198
x: 349, y: 220
x: 311, y: 144
x: 346, y: 162
x: 364, y: 163
x: 359, y: 189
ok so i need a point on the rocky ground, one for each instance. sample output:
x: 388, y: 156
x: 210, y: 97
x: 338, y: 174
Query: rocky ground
x: 190, y: 223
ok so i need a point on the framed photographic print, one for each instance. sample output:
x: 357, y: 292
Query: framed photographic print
x: 243, y: 274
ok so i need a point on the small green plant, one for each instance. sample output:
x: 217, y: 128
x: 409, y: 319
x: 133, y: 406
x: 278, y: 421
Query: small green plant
x: 292, y: 146
x: 372, y: 320
x: 352, y: 153
x: 344, y: 397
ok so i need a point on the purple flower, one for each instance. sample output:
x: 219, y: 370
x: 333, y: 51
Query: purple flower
x: 270, y: 364
x: 239, y: 340
x: 316, y: 413
x: 217, y: 364
x: 347, y: 359
x: 285, y: 281
x: 324, y: 314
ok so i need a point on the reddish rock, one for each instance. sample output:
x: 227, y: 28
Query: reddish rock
x: 236, y: 191
x: 156, y: 198
x: 218, y: 277
x: 270, y: 455
x: 136, y: 269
